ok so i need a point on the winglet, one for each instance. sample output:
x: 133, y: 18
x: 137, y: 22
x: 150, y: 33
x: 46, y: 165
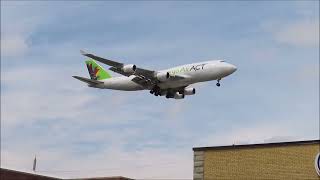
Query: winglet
x: 83, y: 52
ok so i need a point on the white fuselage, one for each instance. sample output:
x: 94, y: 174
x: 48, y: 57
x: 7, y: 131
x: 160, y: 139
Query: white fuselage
x: 192, y: 73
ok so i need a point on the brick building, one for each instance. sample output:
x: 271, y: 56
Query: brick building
x: 285, y: 160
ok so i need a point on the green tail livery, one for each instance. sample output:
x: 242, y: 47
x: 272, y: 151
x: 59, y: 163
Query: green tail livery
x: 96, y: 71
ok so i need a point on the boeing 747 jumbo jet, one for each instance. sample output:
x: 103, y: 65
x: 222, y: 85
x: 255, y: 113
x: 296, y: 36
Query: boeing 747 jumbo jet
x: 172, y: 83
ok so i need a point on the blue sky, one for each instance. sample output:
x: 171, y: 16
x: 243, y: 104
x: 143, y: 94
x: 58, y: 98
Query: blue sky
x: 78, y: 131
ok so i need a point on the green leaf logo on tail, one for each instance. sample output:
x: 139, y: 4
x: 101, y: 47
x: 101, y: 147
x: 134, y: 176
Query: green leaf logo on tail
x: 96, y: 72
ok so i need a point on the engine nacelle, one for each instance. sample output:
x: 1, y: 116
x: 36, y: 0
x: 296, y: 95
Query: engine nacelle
x: 189, y: 91
x: 129, y: 68
x: 178, y: 96
x: 163, y: 76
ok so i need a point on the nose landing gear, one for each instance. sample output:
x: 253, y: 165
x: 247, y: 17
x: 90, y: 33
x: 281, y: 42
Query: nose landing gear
x: 218, y: 83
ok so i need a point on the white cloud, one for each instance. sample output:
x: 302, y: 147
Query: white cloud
x: 16, y: 29
x: 307, y: 9
x: 281, y: 139
x: 13, y: 45
x: 28, y: 99
x: 260, y: 132
x: 301, y: 34
x: 308, y: 73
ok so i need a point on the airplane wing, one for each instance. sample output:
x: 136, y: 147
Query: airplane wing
x: 144, y: 77
x: 147, y: 81
x: 86, y: 80
x: 103, y: 60
x: 141, y: 74
x: 144, y: 81
x: 117, y: 65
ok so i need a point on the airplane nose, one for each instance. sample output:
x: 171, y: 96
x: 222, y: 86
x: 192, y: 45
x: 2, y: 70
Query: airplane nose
x: 231, y: 68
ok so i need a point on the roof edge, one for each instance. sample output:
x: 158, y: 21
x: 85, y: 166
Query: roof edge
x: 102, y: 178
x: 274, y: 144
x: 35, y: 174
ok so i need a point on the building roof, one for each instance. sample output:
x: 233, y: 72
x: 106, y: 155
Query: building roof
x: 19, y: 175
x: 103, y: 178
x: 276, y: 144
x: 13, y: 174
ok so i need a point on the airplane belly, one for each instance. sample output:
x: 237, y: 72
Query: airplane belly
x: 122, y: 83
x: 175, y: 84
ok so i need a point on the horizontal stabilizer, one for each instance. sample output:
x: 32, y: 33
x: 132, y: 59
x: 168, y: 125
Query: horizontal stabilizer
x: 86, y: 80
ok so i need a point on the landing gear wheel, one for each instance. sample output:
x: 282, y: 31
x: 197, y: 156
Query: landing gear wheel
x: 218, y: 83
x: 156, y: 90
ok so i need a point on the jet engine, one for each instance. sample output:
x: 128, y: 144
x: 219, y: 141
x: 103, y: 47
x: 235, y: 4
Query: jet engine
x: 163, y: 76
x: 178, y: 96
x: 189, y: 91
x: 130, y: 68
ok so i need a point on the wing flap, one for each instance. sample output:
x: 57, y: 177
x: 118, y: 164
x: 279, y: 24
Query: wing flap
x: 141, y: 81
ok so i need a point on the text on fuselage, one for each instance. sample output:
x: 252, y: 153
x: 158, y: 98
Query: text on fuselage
x: 187, y: 69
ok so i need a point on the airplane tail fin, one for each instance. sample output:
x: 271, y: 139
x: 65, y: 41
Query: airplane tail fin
x: 96, y: 72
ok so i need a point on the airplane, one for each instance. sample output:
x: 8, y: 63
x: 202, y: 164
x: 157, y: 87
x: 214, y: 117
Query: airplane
x: 171, y: 83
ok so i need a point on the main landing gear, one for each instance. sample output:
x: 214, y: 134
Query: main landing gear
x: 155, y: 91
x: 218, y: 83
